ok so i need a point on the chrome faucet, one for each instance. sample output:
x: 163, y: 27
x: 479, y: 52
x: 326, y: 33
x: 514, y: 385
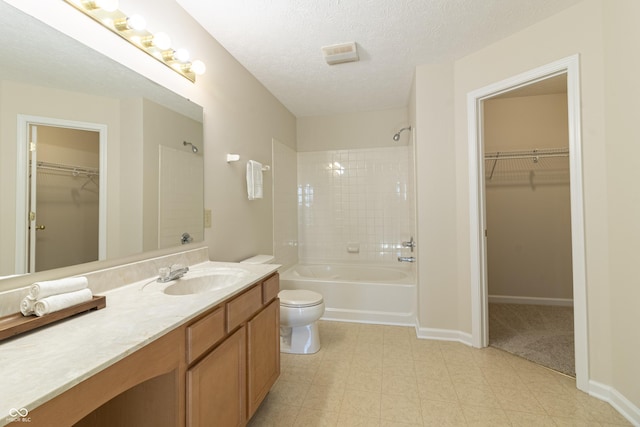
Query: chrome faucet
x: 410, y: 244
x: 176, y: 271
x: 406, y: 259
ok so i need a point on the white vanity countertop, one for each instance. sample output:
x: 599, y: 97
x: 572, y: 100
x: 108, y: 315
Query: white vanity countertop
x: 38, y: 366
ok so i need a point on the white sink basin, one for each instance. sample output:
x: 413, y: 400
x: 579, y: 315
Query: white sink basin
x: 200, y: 281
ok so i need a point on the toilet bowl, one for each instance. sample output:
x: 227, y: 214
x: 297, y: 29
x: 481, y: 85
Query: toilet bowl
x: 299, y: 314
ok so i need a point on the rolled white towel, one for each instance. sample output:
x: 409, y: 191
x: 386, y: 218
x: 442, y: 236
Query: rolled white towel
x: 40, y: 290
x: 58, y: 302
x: 27, y: 305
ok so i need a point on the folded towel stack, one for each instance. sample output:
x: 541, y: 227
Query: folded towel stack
x: 54, y: 295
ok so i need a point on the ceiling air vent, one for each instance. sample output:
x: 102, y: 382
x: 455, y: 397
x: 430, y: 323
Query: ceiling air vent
x: 339, y: 53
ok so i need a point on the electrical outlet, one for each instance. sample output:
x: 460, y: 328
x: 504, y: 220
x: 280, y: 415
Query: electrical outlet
x: 207, y: 218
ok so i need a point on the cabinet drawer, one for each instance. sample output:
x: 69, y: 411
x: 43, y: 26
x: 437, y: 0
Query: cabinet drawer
x: 204, y: 333
x: 243, y: 307
x: 270, y: 288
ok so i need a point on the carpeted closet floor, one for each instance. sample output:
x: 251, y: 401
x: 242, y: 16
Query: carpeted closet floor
x: 540, y: 333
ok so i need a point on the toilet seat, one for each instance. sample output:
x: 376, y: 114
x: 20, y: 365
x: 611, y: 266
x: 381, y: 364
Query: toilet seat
x: 298, y: 298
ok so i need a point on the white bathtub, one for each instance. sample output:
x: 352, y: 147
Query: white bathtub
x: 358, y: 293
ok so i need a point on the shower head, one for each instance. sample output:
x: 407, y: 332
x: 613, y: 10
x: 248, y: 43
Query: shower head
x: 396, y: 137
x: 193, y: 147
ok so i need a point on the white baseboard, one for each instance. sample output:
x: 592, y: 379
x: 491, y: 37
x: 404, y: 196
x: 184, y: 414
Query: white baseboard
x: 443, y: 335
x: 620, y: 403
x: 504, y: 299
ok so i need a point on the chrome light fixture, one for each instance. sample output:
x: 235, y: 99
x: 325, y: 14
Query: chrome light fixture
x: 133, y: 29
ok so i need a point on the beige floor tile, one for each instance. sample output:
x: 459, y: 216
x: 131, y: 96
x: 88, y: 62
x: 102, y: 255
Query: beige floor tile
x: 482, y: 416
x: 298, y: 374
x: 574, y: 422
x: 362, y: 403
x: 399, y: 368
x: 324, y: 398
x: 367, y: 361
x: 314, y: 418
x: 476, y: 395
x: 436, y: 413
x: 326, y: 375
x: 400, y: 385
x: 518, y: 399
x: 400, y: 410
x: 523, y: 419
x: 438, y: 390
x: 466, y: 374
x: 350, y: 420
x: 365, y: 380
x: 274, y: 415
x: 386, y: 423
x: 373, y: 375
x: 288, y: 393
x: 563, y: 405
x: 426, y: 371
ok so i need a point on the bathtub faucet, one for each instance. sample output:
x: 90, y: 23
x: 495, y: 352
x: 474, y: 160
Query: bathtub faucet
x: 406, y: 259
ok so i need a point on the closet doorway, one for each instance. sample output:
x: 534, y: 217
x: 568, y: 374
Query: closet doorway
x: 528, y: 223
x: 61, y: 209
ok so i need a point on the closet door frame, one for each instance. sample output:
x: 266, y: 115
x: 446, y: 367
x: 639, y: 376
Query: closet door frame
x: 478, y: 248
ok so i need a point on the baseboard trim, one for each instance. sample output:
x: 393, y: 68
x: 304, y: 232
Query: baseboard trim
x: 616, y: 399
x: 504, y: 299
x: 443, y: 335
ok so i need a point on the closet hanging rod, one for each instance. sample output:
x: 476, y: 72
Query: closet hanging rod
x: 528, y: 156
x: 503, y: 155
x: 76, y: 170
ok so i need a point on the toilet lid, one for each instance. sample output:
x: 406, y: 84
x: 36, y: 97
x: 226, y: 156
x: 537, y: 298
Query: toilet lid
x: 299, y: 298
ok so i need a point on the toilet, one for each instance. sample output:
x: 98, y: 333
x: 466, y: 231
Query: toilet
x: 300, y: 311
x: 299, y: 314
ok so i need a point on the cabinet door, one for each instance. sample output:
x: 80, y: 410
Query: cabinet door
x: 263, y: 354
x: 216, y: 386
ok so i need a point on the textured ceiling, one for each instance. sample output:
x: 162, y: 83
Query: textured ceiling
x: 279, y: 42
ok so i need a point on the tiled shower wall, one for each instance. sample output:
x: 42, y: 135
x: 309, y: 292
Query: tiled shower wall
x: 354, y: 205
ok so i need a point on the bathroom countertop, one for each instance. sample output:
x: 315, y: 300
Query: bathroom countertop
x: 40, y: 365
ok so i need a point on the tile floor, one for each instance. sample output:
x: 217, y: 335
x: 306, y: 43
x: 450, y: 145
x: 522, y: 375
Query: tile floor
x: 375, y: 375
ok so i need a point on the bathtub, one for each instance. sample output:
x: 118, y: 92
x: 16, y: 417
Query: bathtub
x: 358, y: 292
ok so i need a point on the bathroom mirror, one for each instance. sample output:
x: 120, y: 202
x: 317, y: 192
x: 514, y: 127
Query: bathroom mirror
x: 44, y: 73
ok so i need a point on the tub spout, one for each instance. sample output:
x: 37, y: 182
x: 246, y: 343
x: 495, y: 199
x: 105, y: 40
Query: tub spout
x: 406, y: 259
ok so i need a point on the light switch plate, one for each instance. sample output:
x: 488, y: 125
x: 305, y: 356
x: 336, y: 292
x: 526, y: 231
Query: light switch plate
x: 207, y: 218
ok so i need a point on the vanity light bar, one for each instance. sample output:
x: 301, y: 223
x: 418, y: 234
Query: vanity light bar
x: 131, y: 28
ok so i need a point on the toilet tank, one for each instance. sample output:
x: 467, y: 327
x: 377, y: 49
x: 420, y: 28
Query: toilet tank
x: 259, y: 259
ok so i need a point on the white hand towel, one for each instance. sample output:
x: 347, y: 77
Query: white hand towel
x: 58, y: 302
x: 41, y: 290
x: 254, y: 180
x: 27, y: 305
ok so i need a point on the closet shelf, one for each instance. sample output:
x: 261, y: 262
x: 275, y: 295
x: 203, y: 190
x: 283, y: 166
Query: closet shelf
x: 549, y: 165
x: 73, y: 170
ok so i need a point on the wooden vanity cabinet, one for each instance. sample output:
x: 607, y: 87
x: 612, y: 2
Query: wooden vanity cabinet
x: 228, y: 381
x: 214, y: 371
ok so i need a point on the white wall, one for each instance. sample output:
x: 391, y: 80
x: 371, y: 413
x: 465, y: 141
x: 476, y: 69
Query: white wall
x: 603, y: 34
x: 622, y: 110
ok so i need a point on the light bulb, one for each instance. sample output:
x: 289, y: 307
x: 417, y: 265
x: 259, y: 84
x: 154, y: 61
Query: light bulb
x: 108, y: 5
x: 198, y: 67
x: 136, y: 22
x: 181, y: 55
x: 162, y: 41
